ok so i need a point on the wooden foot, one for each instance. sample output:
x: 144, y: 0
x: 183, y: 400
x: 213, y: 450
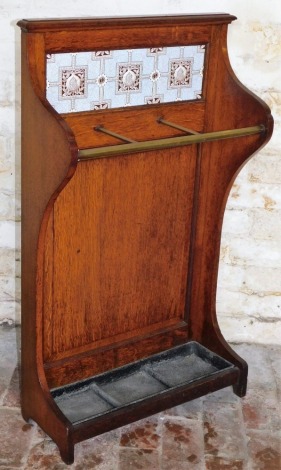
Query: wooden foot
x: 27, y: 417
x: 240, y: 387
x: 67, y: 453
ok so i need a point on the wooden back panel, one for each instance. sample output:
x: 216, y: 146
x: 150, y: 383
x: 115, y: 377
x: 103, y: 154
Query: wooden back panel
x: 120, y: 232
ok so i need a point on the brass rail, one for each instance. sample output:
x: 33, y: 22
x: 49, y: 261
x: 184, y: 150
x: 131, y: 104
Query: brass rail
x: 133, y: 147
x: 176, y: 126
x: 113, y: 134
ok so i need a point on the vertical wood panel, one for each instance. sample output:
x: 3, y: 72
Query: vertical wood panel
x: 121, y: 231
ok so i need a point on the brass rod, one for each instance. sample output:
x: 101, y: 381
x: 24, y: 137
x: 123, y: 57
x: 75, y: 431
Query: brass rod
x: 176, y: 126
x: 113, y: 134
x: 123, y: 149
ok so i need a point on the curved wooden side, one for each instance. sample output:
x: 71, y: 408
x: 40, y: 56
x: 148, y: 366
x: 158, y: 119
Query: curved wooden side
x: 49, y: 156
x: 229, y: 105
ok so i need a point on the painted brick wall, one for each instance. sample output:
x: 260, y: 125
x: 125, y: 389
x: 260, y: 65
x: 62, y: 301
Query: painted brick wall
x: 249, y: 290
x: 249, y: 293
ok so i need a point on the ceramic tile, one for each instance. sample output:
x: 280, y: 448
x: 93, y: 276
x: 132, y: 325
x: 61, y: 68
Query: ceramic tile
x: 99, y: 80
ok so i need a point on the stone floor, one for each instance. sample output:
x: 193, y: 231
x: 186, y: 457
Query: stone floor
x: 217, y: 432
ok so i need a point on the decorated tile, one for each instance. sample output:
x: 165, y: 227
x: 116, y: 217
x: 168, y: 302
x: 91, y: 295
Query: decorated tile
x: 98, y: 80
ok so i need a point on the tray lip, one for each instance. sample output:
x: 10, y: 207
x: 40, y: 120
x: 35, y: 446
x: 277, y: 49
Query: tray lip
x: 132, y: 367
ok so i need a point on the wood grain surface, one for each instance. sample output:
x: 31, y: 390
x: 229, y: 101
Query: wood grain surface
x: 120, y: 250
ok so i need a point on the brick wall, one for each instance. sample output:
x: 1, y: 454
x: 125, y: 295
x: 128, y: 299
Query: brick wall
x: 249, y: 290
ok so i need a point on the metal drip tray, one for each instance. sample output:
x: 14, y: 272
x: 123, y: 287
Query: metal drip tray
x: 175, y: 368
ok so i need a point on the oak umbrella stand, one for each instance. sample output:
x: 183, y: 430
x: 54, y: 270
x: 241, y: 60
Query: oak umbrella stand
x: 133, y: 130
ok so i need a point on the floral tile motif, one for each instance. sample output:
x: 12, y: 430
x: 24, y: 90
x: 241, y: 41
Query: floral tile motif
x: 98, y: 80
x: 73, y: 82
x: 180, y: 73
x: 128, y: 78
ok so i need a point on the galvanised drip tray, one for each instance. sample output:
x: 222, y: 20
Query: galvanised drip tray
x: 179, y: 367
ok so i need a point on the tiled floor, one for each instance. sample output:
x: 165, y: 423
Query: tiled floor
x: 218, y: 432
